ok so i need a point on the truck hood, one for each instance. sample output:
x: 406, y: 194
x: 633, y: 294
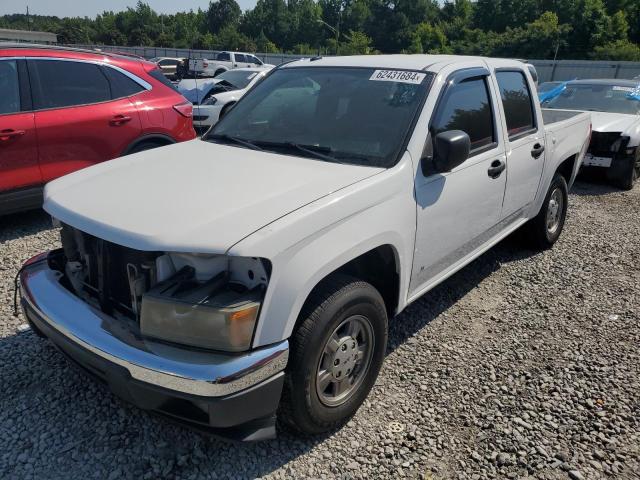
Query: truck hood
x: 192, y: 197
x: 617, y: 122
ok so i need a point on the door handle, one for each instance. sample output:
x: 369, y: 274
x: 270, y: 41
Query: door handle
x: 119, y: 120
x: 537, y: 150
x: 8, y: 134
x: 496, y: 168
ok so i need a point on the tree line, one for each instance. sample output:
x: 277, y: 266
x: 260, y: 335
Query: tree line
x: 540, y: 29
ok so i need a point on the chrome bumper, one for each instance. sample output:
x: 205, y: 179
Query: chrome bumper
x: 179, y: 369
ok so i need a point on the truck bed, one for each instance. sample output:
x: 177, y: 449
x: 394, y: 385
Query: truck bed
x: 552, y: 115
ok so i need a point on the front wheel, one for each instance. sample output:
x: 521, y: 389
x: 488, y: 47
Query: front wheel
x: 336, y: 353
x: 545, y: 228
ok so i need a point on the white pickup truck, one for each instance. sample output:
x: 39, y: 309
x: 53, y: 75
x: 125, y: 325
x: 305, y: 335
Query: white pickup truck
x: 222, y: 280
x: 225, y: 61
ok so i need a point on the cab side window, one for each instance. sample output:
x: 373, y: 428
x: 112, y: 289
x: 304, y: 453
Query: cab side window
x: 9, y: 86
x: 516, y: 100
x: 58, y: 84
x: 254, y: 60
x: 240, y: 58
x: 466, y: 106
x: 223, y: 57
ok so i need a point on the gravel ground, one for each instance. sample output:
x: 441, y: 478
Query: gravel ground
x: 522, y: 365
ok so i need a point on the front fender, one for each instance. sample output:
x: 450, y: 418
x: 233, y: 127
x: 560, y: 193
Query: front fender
x: 309, y: 244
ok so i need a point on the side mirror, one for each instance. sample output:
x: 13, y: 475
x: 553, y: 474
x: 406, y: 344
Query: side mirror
x: 450, y: 149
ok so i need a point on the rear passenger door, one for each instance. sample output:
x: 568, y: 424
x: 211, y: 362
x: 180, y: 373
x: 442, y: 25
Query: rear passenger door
x: 18, y: 140
x: 460, y: 210
x: 524, y: 141
x: 83, y: 114
x: 241, y: 60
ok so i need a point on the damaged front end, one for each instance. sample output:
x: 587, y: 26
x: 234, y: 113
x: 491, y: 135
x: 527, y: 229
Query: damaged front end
x: 201, y: 300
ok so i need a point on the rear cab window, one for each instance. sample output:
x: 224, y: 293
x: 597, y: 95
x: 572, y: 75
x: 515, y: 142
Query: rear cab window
x: 467, y: 106
x: 517, y: 103
x: 223, y: 57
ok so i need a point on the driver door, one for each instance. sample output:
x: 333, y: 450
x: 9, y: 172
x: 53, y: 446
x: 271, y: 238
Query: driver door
x: 459, y: 211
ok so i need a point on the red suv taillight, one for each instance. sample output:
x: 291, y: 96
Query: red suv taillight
x: 184, y: 109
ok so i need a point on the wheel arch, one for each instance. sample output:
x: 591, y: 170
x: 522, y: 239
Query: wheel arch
x: 379, y: 264
x: 567, y: 169
x: 157, y: 138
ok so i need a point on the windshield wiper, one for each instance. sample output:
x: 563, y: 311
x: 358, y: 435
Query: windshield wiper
x: 239, y: 141
x: 314, y: 150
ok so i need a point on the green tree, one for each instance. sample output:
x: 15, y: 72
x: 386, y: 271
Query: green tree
x: 222, y: 13
x: 618, y: 50
x: 431, y: 39
x: 539, y: 39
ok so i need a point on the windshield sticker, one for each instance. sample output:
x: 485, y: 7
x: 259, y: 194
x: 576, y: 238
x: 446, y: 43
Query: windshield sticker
x: 401, y: 76
x: 618, y: 88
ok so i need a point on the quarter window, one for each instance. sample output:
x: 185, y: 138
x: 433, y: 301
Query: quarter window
x: 516, y: 100
x: 59, y: 84
x: 9, y: 86
x: 121, y: 85
x: 466, y: 106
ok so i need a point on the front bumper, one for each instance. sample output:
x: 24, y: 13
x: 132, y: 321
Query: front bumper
x: 232, y: 395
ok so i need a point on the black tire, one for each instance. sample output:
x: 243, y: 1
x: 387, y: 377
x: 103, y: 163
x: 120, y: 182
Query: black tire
x: 219, y: 71
x: 141, y: 147
x: 336, y: 300
x: 627, y: 175
x: 537, y: 231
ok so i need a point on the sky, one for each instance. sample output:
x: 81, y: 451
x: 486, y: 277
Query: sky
x: 90, y: 8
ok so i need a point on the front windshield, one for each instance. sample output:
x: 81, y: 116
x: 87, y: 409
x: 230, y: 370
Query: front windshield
x: 348, y: 115
x: 238, y: 78
x: 598, y: 98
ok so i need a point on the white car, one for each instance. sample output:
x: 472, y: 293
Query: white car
x: 224, y: 93
x: 225, y: 61
x: 614, y: 105
x: 255, y: 272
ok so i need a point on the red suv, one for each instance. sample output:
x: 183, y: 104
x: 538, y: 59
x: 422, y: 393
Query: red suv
x: 63, y: 109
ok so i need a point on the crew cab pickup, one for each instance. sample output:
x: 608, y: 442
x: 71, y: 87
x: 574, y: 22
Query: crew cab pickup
x: 225, y: 61
x: 255, y: 271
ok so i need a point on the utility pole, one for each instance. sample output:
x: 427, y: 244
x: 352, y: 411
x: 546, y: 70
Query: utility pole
x: 28, y: 21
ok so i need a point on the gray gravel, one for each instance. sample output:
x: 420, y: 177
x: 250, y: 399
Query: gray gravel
x: 522, y: 365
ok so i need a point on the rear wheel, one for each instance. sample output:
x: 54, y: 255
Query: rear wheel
x: 141, y: 147
x: 336, y: 353
x: 545, y: 228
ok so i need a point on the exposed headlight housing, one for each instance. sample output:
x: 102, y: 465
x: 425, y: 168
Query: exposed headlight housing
x: 219, y: 313
x: 212, y: 100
